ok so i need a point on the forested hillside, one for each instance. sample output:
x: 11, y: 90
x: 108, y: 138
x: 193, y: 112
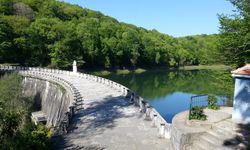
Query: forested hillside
x: 52, y: 33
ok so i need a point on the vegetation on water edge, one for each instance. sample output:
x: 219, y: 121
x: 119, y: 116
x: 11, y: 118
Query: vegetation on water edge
x: 207, y: 67
x: 212, y: 102
x: 17, y: 132
x: 158, y: 69
x: 118, y: 72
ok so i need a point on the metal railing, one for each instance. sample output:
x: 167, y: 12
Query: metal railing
x: 203, y: 101
x: 197, y: 100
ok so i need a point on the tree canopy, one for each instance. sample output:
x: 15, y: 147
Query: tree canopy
x: 53, y: 33
x: 235, y: 34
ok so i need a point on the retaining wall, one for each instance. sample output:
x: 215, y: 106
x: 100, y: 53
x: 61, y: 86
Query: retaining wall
x: 50, y: 98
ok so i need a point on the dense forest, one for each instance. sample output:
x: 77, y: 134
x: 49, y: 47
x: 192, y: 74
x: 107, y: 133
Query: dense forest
x: 52, y: 33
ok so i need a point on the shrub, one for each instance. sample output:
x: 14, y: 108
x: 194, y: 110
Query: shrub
x: 212, y: 102
x: 197, y: 113
x: 16, y: 129
x: 40, y: 137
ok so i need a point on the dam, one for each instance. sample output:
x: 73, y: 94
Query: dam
x: 91, y: 112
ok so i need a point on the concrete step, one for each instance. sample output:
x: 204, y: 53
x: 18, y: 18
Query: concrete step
x: 211, y: 138
x: 221, y: 134
x: 204, y: 144
x: 226, y: 125
x: 194, y: 147
x: 221, y: 143
x: 223, y: 131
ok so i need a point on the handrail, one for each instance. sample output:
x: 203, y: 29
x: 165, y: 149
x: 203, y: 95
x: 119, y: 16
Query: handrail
x: 202, y: 101
x: 197, y: 100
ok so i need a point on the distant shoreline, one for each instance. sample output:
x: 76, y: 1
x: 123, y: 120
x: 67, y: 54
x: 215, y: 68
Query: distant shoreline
x: 104, y: 72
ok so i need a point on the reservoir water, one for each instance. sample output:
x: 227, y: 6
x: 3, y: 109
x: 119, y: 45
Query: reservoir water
x: 169, y: 92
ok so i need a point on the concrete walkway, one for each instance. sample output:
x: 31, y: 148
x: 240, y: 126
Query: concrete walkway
x: 108, y: 121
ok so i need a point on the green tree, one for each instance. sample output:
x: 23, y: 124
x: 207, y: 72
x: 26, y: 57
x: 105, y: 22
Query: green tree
x: 6, y: 37
x: 87, y: 32
x: 235, y: 34
x: 41, y: 35
x: 67, y: 47
x: 6, y: 7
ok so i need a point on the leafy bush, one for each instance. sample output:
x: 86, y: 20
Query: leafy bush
x: 37, y: 137
x: 197, y: 113
x: 212, y: 102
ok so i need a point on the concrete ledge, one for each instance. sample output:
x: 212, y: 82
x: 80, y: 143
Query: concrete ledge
x: 38, y: 117
x: 213, y: 116
x: 184, y: 131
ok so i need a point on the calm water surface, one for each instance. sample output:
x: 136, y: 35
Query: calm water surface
x: 169, y: 92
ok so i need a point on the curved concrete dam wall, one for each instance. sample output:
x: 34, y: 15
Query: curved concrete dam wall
x: 65, y: 78
x: 49, y: 98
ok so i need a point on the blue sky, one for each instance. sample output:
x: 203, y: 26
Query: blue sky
x: 173, y: 17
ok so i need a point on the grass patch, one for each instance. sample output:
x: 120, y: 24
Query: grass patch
x: 157, y: 69
x: 101, y: 73
x: 140, y: 70
x: 206, y: 67
x: 118, y: 71
x: 123, y: 71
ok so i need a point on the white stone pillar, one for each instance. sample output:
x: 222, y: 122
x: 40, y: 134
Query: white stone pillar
x: 74, y: 67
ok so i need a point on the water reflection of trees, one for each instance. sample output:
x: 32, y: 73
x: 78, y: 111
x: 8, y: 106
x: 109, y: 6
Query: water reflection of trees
x: 154, y: 84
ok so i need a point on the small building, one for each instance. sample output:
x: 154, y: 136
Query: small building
x: 241, y: 103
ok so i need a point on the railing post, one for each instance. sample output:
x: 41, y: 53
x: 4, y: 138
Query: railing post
x: 154, y: 122
x: 161, y: 130
x: 190, y: 107
x: 147, y: 114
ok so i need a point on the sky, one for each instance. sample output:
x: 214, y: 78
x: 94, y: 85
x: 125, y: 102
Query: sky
x: 173, y: 17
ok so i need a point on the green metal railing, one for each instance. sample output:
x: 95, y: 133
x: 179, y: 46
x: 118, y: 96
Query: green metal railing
x: 197, y: 100
x: 202, y: 101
